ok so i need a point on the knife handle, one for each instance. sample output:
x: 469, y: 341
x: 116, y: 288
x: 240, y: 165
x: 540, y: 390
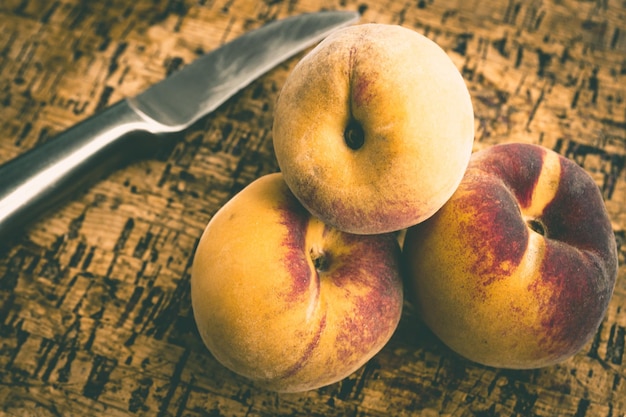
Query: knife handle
x: 44, y: 176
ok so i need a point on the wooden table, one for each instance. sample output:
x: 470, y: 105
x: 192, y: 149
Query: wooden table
x: 95, y: 316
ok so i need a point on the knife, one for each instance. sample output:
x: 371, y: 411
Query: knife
x: 137, y: 127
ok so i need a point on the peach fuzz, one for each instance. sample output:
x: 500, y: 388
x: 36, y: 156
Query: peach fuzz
x: 287, y: 301
x: 373, y: 129
x: 517, y: 269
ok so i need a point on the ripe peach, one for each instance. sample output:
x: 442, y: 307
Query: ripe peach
x: 373, y: 129
x: 287, y: 301
x: 517, y: 269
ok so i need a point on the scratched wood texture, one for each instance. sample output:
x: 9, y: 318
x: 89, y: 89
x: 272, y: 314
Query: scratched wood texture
x: 95, y: 315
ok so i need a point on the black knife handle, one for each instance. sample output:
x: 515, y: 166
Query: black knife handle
x: 43, y: 177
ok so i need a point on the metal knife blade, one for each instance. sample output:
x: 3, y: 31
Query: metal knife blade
x: 43, y: 177
x: 190, y: 93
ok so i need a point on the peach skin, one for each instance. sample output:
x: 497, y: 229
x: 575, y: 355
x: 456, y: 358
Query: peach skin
x: 517, y: 269
x: 287, y: 301
x: 364, y: 124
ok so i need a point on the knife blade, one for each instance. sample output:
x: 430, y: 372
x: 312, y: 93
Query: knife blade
x: 137, y: 127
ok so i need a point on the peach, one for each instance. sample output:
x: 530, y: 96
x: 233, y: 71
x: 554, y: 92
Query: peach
x: 373, y: 129
x: 287, y: 301
x: 517, y: 269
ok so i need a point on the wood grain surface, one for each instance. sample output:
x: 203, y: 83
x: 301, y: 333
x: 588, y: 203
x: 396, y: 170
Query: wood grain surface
x: 95, y: 316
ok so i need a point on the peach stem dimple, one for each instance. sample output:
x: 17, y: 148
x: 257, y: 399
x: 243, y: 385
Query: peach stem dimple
x: 320, y: 259
x: 354, y: 135
x: 537, y: 226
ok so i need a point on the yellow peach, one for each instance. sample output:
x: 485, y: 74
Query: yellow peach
x: 286, y: 301
x: 374, y: 128
x: 517, y: 269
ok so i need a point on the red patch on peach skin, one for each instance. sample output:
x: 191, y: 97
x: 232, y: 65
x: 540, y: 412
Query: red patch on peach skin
x: 574, y: 311
x: 379, y: 308
x: 582, y: 276
x: 295, y: 217
x: 361, y: 91
x: 369, y: 256
x: 405, y: 213
x: 573, y: 215
x: 495, y: 229
x: 520, y: 175
x: 371, y: 322
x: 308, y: 351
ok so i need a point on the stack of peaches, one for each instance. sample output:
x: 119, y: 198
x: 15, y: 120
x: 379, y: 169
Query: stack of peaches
x: 507, y: 254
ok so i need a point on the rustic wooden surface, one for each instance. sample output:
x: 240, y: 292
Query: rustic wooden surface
x: 95, y: 315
